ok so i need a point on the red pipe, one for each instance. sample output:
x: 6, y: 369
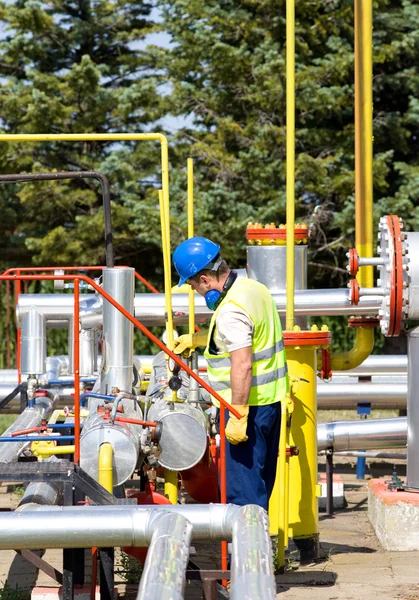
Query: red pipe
x: 25, y: 431
x: 133, y: 421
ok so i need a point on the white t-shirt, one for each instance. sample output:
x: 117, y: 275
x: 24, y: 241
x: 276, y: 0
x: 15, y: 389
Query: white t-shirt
x: 233, y: 330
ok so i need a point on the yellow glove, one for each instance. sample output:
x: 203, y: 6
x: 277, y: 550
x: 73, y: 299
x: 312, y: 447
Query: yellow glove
x: 236, y: 428
x: 185, y: 344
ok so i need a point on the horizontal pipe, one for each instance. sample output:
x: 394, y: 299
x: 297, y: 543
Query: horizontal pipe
x: 384, y: 364
x: 332, y: 396
x: 361, y: 454
x: 150, y: 308
x: 104, y: 527
x: 362, y: 435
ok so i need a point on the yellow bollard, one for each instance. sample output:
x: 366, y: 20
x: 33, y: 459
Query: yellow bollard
x: 303, y: 485
x: 105, y: 469
x: 171, y: 485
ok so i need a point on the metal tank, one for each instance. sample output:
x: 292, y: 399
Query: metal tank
x: 124, y: 438
x: 184, y: 435
x: 267, y: 264
x: 412, y: 474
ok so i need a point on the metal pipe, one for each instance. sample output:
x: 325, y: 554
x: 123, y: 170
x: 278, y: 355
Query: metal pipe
x: 251, y: 558
x: 380, y: 395
x: 386, y: 364
x: 360, y: 454
x: 104, y: 526
x: 167, y: 558
x: 33, y: 343
x: 412, y: 474
x: 31, y: 417
x: 150, y: 308
x: 359, y: 435
x: 118, y: 332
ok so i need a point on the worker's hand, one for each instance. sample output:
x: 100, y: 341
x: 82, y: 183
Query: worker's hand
x: 236, y: 428
x: 185, y: 344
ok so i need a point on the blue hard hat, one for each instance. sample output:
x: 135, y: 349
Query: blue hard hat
x: 193, y: 255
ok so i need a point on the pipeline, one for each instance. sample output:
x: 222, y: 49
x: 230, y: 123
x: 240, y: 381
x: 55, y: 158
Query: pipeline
x: 332, y: 396
x: 123, y: 525
x: 362, y: 435
x: 30, y: 417
x: 167, y: 558
x: 150, y: 308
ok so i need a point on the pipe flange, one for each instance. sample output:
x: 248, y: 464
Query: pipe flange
x: 354, y: 287
x: 393, y: 275
x: 363, y: 322
x: 353, y: 265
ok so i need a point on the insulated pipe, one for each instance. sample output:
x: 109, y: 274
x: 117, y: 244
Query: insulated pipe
x: 118, y: 332
x: 31, y: 417
x: 167, y: 558
x: 88, y: 354
x: 362, y: 435
x: 150, y: 308
x: 412, y: 473
x: 387, y: 364
x: 251, y: 557
x: 33, y: 343
x: 380, y: 395
x: 105, y: 526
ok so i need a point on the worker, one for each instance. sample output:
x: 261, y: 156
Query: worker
x: 245, y: 353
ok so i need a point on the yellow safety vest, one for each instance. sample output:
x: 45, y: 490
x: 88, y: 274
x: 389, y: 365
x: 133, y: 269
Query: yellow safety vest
x: 269, y: 368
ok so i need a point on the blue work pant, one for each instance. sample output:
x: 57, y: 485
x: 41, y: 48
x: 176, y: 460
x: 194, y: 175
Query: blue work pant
x: 251, y: 465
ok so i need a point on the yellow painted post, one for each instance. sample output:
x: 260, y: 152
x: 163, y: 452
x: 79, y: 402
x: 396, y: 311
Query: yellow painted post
x: 290, y: 160
x: 303, y: 485
x: 363, y: 137
x: 191, y: 234
x: 105, y: 466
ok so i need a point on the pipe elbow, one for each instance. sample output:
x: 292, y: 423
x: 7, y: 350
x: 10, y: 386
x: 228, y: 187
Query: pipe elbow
x: 364, y: 344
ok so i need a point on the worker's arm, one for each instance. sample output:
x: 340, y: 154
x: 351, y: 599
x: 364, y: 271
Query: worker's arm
x: 241, y: 382
x: 241, y: 375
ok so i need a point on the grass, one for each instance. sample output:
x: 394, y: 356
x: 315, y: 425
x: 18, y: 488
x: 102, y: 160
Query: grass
x: 16, y: 593
x: 351, y: 415
x: 5, y: 422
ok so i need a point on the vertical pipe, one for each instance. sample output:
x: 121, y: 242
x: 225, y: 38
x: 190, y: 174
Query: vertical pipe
x: 290, y: 191
x: 329, y: 482
x: 17, y: 292
x: 105, y: 466
x: 191, y: 234
x: 8, y: 324
x: 278, y: 498
x: 76, y: 371
x: 167, y: 270
x: 223, y: 482
x: 33, y: 343
x: 118, y: 332
x: 413, y: 410
x: 171, y: 485
x: 363, y: 137
x: 303, y: 509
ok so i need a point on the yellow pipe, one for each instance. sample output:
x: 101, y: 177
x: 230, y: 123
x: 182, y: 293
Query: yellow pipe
x: 362, y: 348
x: 171, y: 485
x: 191, y: 234
x: 363, y: 137
x: 290, y: 164
x: 303, y: 487
x: 105, y: 466
x: 278, y: 498
x: 44, y: 451
x: 167, y: 270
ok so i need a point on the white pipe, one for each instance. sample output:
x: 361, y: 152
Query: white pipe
x: 167, y: 558
x: 380, y: 395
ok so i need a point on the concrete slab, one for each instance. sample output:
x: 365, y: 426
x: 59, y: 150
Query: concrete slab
x: 394, y: 516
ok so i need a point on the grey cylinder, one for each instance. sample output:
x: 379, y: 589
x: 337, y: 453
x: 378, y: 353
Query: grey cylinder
x: 124, y: 438
x: 33, y: 343
x: 368, y: 434
x: 412, y: 473
x: 184, y: 436
x: 118, y: 332
x: 88, y: 354
x: 31, y: 417
x: 332, y: 396
x: 413, y: 287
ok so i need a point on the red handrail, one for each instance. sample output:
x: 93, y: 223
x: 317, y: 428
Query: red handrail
x: 77, y: 278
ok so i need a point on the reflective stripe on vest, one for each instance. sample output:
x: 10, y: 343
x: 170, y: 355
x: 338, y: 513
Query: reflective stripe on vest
x: 256, y: 379
x: 265, y: 354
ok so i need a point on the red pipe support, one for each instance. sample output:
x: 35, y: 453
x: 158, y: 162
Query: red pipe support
x: 76, y: 371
